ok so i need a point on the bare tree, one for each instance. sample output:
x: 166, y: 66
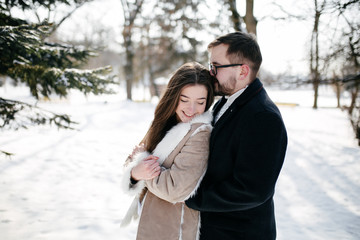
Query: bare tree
x: 130, y: 12
x: 317, y: 64
x: 349, y: 11
x: 352, y: 50
x: 170, y: 38
x: 249, y: 18
x: 335, y: 51
x: 314, y: 50
x: 235, y: 16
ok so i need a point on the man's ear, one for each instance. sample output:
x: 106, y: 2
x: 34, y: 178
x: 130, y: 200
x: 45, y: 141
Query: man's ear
x: 244, y: 71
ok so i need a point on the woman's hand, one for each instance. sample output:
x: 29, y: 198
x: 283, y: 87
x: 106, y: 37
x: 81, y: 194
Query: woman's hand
x: 147, y: 169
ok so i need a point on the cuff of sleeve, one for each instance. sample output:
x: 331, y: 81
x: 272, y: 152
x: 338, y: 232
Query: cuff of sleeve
x: 133, y: 181
x: 130, y: 185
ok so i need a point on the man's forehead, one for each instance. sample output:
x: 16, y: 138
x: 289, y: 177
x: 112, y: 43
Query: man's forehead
x: 218, y: 53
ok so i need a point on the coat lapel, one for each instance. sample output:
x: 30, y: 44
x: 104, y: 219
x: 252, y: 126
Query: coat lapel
x: 218, y: 105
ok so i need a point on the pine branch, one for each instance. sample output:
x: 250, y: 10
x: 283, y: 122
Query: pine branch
x: 45, y: 67
x: 48, y: 67
x: 8, y: 4
x: 19, y: 44
x: 6, y: 153
x: 45, y: 81
x: 17, y: 114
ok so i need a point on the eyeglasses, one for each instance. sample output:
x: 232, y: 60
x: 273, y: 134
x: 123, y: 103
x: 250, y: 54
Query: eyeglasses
x: 213, y: 68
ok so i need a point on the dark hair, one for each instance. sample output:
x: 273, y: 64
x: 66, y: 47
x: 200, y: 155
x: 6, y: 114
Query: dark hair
x: 191, y: 73
x: 242, y: 48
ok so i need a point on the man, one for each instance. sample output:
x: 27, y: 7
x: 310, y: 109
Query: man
x: 247, y: 147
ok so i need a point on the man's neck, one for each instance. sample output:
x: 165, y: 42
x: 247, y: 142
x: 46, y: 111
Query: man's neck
x: 237, y: 93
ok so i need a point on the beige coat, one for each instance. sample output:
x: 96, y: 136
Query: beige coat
x: 183, y: 155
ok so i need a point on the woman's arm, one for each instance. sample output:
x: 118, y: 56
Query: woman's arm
x: 142, y: 166
x: 177, y: 183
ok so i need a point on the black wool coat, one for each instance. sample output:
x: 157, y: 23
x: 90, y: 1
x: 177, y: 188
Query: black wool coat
x: 247, y: 150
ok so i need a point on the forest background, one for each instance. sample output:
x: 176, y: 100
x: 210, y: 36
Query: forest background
x: 54, y: 46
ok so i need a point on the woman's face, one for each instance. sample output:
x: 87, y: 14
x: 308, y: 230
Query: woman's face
x: 192, y: 102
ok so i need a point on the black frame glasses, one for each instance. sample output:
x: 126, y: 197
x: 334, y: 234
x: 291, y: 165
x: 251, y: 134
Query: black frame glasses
x: 213, y: 68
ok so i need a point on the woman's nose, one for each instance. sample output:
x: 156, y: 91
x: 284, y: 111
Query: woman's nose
x: 192, y: 108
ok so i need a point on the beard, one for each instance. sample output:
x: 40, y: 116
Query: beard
x: 225, y: 89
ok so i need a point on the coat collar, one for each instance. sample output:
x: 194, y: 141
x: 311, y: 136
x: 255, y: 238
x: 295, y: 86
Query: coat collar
x: 253, y: 89
x: 176, y: 134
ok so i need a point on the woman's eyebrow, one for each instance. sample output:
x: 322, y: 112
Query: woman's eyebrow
x: 201, y: 98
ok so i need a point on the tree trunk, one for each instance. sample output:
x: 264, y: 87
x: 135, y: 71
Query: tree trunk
x: 354, y: 95
x: 316, y: 94
x: 128, y: 68
x: 130, y: 11
x: 337, y: 88
x: 152, y: 82
x: 249, y: 18
x: 314, y: 55
x: 338, y: 94
x: 235, y: 16
x: 355, y: 90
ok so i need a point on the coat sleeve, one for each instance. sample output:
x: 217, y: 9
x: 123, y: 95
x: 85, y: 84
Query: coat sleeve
x: 126, y: 185
x: 177, y: 183
x: 258, y: 153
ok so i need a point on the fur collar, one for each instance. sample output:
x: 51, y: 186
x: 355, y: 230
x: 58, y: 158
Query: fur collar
x: 176, y: 134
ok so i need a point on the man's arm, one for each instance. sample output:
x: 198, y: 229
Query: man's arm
x: 258, y: 163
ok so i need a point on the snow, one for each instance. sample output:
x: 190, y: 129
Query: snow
x: 65, y: 185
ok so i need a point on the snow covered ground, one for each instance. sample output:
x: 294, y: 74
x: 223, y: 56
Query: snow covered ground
x: 64, y: 185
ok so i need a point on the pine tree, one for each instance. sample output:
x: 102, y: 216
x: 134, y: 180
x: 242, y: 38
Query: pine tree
x: 45, y: 67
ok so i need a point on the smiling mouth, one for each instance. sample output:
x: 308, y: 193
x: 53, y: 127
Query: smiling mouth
x: 189, y: 116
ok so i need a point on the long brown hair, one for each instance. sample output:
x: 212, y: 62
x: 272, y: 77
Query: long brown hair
x: 165, y: 117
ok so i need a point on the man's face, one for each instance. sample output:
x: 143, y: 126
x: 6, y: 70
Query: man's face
x: 226, y: 83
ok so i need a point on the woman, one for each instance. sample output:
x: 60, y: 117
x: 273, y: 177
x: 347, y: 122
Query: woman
x: 178, y: 140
